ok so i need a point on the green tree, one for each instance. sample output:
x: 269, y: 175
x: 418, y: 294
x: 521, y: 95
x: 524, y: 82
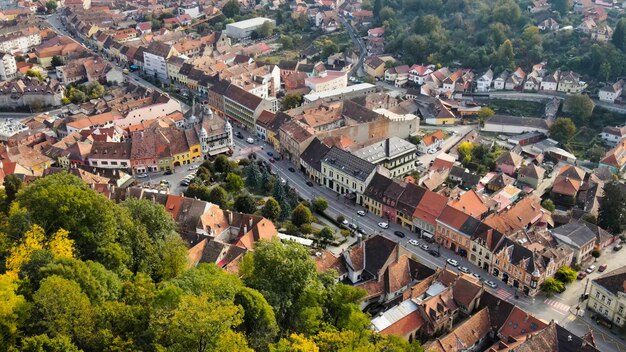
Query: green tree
x: 551, y: 286
x: 595, y: 253
x: 231, y: 9
x: 319, y: 204
x: 387, y: 13
x: 287, y: 43
x: 281, y: 272
x: 612, y: 213
x: 56, y: 59
x: 234, y: 183
x: 548, y: 205
x: 61, y: 308
x: 266, y: 29
x: 485, y: 113
x: 271, y: 209
x: 40, y: 343
x: 619, y: 35
x: 580, y: 106
x: 245, y: 204
x: 378, y: 5
x: 506, y: 55
x: 253, y: 176
x: 605, y: 71
x: 301, y: 215
x: 218, y: 196
x: 566, y: 275
x: 259, y: 322
x: 12, y: 185
x: 94, y: 90
x: 202, y: 324
x: 563, y: 129
x: 562, y: 6
x: 77, y: 96
x: 291, y: 101
x: 222, y: 165
x: 325, y: 235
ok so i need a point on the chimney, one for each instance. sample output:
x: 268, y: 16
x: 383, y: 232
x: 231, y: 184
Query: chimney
x: 398, y: 253
x: 250, y: 222
x: 230, y: 217
x: 245, y: 229
x: 489, y: 238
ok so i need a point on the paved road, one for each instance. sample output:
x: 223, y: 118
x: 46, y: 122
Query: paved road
x: 539, y: 306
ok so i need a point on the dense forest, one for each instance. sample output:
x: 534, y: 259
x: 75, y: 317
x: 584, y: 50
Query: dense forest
x: 502, y: 34
x: 80, y: 272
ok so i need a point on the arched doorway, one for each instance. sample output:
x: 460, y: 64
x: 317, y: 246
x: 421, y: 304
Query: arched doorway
x: 496, y: 272
x: 515, y: 283
x: 505, y: 278
x: 176, y: 163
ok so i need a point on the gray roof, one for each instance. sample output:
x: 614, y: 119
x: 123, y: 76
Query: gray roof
x: 389, y: 148
x: 348, y: 163
x: 314, y: 153
x: 614, y: 281
x: 574, y: 233
x: 518, y: 121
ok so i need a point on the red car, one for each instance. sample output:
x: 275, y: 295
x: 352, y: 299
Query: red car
x: 582, y: 275
x: 602, y: 268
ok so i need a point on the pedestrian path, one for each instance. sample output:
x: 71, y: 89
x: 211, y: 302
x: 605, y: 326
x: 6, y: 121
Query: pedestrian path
x: 557, y: 305
x: 503, y: 294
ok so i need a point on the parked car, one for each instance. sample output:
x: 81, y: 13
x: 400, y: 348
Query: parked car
x: 239, y: 135
x: 476, y: 276
x: 184, y: 183
x: 617, y: 247
x: 270, y: 154
x: 424, y: 247
x: 434, y: 253
x: 250, y: 140
x: 309, y: 183
x: 591, y: 269
x: 414, y: 242
x: 193, y: 167
x: 464, y: 269
x: 354, y: 226
x: 168, y: 172
x: 602, y: 267
x: 490, y: 283
x: 399, y: 234
x: 581, y: 275
x: 360, y: 213
x: 345, y: 223
x: 291, y: 169
x: 452, y: 262
x: 142, y: 175
x: 383, y: 225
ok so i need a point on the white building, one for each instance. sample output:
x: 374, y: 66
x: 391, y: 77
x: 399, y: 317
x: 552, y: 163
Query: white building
x: 19, y: 42
x: 193, y: 11
x: 155, y: 59
x: 110, y: 155
x: 612, y: 92
x: 327, y: 81
x: 244, y: 29
x: 8, y: 68
x: 11, y: 127
x: 483, y: 83
x: 149, y: 112
x: 346, y: 174
x: 612, y: 135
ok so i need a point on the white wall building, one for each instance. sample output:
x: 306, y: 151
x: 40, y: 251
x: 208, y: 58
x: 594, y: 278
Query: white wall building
x: 155, y: 59
x: 330, y: 80
x: 19, y: 42
x: 612, y: 92
x: 244, y: 29
x: 8, y: 68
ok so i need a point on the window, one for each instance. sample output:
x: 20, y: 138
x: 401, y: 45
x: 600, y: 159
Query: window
x: 618, y: 320
x: 608, y: 302
x: 621, y: 310
x: 595, y: 305
x: 598, y: 295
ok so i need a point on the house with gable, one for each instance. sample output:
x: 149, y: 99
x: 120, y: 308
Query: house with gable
x: 509, y: 162
x: 431, y: 142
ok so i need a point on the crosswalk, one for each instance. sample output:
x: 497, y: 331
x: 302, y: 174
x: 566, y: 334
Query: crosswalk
x: 557, y: 305
x: 503, y: 294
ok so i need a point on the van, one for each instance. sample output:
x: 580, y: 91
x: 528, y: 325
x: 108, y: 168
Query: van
x: 250, y: 140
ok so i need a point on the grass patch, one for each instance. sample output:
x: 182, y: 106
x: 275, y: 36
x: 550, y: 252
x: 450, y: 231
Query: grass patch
x: 517, y: 108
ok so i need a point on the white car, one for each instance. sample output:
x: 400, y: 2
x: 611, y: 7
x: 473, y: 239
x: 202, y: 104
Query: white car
x: 193, y: 167
x: 432, y: 151
x: 476, y: 276
x: 360, y: 213
x: 464, y: 269
x: 383, y: 225
x: 250, y: 140
x: 490, y: 283
x: 142, y: 175
x: 452, y: 262
x: 424, y: 247
x: 591, y: 269
x: 345, y: 223
x: 414, y: 242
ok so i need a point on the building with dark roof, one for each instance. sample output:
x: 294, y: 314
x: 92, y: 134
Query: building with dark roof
x: 311, y: 159
x: 515, y: 124
x: 578, y: 237
x: 347, y: 174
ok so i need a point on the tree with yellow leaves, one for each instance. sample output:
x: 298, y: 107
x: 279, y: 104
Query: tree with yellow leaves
x: 59, y: 244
